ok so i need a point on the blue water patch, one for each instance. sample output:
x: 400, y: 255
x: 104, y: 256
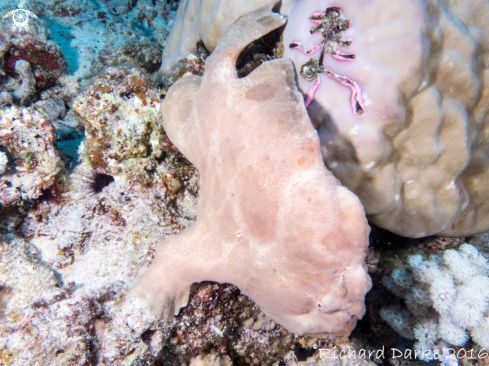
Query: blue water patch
x: 63, y: 36
x: 67, y: 146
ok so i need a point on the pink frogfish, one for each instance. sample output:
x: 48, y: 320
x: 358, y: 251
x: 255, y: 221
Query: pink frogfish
x: 272, y: 219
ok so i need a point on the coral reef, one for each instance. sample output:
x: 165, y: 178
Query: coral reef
x: 416, y: 156
x: 90, y: 183
x: 27, y: 143
x: 446, y: 296
x: 66, y: 279
x: 44, y: 56
x: 65, y: 283
x: 141, y: 53
x: 69, y: 251
x: 32, y: 67
x: 197, y: 21
x: 124, y: 131
x: 5, y: 98
x: 211, y: 359
x: 221, y: 317
x: 52, y: 109
x: 119, y: 112
x: 192, y: 64
x: 259, y: 160
x: 55, y: 105
x: 66, y: 89
x: 100, y: 33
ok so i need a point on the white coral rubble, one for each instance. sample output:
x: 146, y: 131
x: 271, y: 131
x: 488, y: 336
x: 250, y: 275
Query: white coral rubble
x: 3, y: 162
x: 455, y: 285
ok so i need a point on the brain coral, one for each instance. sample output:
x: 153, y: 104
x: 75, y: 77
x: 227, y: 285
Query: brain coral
x: 417, y: 156
x: 271, y: 218
x: 205, y: 21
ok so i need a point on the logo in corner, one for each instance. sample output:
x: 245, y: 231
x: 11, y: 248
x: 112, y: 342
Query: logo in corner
x: 20, y: 18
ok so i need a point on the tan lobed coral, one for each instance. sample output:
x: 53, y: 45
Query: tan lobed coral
x: 417, y: 157
x: 205, y: 21
x: 271, y: 218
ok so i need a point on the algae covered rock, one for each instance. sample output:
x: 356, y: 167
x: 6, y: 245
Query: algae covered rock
x: 33, y: 45
x: 124, y: 131
x: 30, y: 162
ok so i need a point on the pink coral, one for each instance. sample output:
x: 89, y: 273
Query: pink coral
x: 417, y: 158
x: 331, y: 23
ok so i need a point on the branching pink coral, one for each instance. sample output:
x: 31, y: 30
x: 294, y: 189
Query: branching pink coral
x: 271, y: 218
x: 330, y: 23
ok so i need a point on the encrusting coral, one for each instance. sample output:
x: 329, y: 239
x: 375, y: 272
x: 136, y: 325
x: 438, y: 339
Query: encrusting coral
x: 124, y: 134
x: 32, y: 45
x: 27, y: 141
x: 271, y: 219
x: 417, y: 155
x: 211, y: 359
x: 81, y: 251
x: 446, y: 296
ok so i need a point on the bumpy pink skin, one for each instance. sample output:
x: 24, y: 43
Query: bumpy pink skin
x: 271, y: 218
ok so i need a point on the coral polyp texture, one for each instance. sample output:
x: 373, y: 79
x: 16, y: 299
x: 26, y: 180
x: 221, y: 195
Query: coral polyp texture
x: 271, y: 218
x: 416, y: 157
x: 447, y: 298
x: 205, y: 21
